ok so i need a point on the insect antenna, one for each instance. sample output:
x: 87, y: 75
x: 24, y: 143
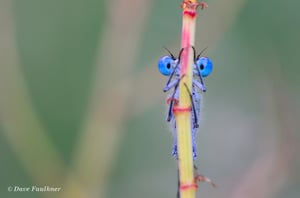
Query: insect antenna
x: 172, y: 56
x: 201, y: 53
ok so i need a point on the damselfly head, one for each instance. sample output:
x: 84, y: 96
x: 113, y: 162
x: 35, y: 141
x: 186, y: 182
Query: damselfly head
x: 165, y: 65
x: 204, y: 65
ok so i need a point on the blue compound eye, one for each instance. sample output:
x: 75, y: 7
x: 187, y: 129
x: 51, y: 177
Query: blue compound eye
x: 205, y: 66
x: 165, y: 65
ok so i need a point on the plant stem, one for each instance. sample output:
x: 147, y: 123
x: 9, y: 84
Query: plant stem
x: 188, y: 186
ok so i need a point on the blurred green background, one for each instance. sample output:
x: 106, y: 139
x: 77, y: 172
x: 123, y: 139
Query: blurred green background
x: 82, y: 107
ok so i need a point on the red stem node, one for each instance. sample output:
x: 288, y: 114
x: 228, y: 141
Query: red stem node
x: 190, y: 8
x: 188, y: 186
x: 181, y: 109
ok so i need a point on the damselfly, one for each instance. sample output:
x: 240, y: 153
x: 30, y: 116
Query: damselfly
x: 170, y: 66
